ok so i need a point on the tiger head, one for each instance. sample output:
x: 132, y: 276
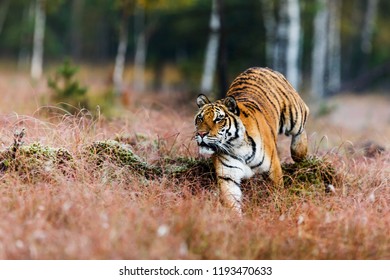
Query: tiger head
x: 218, y: 125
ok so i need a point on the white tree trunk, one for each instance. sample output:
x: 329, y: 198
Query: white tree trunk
x: 334, y: 46
x: 270, y: 27
x: 369, y: 24
x: 39, y: 35
x: 318, y: 67
x: 293, y: 42
x: 120, y: 59
x: 210, y: 62
x: 140, y: 51
x: 280, y: 47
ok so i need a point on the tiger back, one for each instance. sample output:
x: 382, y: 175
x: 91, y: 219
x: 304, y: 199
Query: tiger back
x: 240, y: 131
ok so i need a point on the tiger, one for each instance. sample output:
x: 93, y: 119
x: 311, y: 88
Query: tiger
x: 240, y: 131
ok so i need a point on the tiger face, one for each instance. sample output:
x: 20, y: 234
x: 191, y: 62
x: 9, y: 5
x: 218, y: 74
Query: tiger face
x: 218, y: 126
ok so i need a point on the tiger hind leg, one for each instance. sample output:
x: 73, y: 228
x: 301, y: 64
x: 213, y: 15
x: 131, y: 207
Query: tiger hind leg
x: 298, y: 146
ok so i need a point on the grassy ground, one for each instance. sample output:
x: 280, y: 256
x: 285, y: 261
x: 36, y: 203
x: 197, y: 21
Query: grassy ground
x: 106, y: 211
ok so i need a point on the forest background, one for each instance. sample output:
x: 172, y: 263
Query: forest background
x: 204, y: 43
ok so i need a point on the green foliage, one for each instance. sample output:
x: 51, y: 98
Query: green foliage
x: 66, y: 89
x: 52, y: 6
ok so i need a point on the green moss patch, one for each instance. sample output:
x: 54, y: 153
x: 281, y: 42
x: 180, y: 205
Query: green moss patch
x: 311, y: 173
x: 119, y: 154
x: 36, y: 162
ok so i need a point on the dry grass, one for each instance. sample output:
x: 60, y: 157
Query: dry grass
x: 109, y: 212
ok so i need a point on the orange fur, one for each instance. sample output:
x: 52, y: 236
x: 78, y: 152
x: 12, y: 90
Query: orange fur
x: 240, y: 131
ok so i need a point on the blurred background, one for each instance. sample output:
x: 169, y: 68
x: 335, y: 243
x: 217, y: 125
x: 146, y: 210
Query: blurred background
x: 88, y: 52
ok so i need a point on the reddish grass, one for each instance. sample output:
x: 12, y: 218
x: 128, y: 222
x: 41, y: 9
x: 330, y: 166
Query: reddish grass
x: 127, y: 217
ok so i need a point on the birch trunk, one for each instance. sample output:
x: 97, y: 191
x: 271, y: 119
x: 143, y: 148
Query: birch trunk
x: 319, y: 51
x: 293, y: 42
x: 140, y: 51
x: 120, y: 57
x: 369, y: 24
x: 39, y: 35
x: 210, y: 61
x: 270, y: 26
x: 280, y: 48
x: 334, y: 46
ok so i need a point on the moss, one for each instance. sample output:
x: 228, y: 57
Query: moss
x: 36, y: 162
x: 313, y: 172
x: 306, y: 175
x: 119, y: 154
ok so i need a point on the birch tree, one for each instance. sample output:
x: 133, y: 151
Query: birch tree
x: 318, y: 66
x: 368, y: 26
x: 140, y: 49
x: 280, y: 47
x: 334, y: 46
x: 293, y: 42
x: 210, y: 62
x: 270, y: 27
x: 143, y: 30
x: 125, y: 7
x: 39, y: 35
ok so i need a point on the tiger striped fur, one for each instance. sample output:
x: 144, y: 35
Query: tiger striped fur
x: 240, y: 131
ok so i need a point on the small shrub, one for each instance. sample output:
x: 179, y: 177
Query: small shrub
x: 66, y: 89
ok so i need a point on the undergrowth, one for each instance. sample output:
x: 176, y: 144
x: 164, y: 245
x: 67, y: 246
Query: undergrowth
x: 36, y: 162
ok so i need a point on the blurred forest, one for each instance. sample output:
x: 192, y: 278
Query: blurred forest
x: 324, y: 47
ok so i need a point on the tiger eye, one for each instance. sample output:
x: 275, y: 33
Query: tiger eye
x: 219, y: 118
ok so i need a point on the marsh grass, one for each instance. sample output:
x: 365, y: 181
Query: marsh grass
x: 117, y: 204
x: 102, y: 206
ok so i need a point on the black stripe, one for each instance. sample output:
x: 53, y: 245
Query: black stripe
x: 260, y: 163
x: 253, y: 144
x: 291, y: 119
x: 236, y: 125
x: 281, y: 122
x: 227, y: 165
x: 229, y: 179
x: 245, y: 113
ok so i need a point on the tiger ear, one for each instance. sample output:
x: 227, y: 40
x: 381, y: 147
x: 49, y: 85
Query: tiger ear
x: 231, y: 104
x: 202, y: 100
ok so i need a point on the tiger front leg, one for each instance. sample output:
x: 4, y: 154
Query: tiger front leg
x: 275, y: 171
x: 231, y: 194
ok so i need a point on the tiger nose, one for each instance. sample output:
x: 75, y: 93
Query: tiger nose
x: 202, y: 133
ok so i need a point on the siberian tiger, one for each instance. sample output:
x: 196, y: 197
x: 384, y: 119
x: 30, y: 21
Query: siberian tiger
x: 240, y: 131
